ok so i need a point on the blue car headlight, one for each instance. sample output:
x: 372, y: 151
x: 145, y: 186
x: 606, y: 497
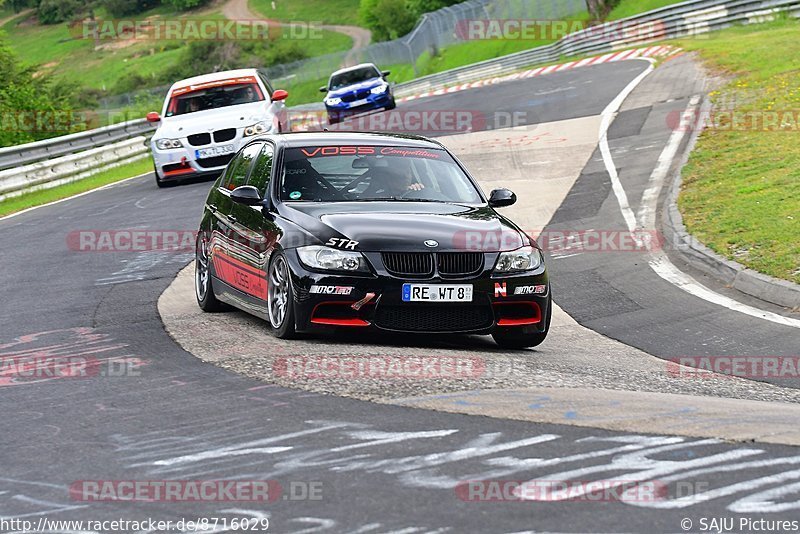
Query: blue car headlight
x: 333, y: 101
x: 379, y: 89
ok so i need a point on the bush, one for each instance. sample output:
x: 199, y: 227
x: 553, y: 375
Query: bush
x: 390, y: 19
x: 55, y: 11
x: 126, y: 8
x: 22, y: 97
x: 184, y: 5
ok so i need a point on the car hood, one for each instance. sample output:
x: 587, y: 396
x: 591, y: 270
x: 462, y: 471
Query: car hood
x: 366, y: 84
x: 239, y: 116
x: 405, y: 226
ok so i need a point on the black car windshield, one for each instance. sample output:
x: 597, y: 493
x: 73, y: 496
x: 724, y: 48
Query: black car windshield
x: 372, y: 173
x: 350, y: 77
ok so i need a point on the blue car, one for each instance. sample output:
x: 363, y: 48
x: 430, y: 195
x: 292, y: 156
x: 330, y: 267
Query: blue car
x: 355, y: 90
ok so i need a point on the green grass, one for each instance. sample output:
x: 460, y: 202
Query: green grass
x: 325, y: 11
x: 59, y: 52
x: 741, y: 188
x: 37, y: 198
x: 628, y: 8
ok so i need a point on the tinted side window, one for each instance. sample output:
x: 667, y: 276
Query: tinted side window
x: 236, y: 173
x: 262, y: 169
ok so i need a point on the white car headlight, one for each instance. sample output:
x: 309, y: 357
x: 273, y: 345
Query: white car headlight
x: 379, y: 89
x: 166, y: 144
x: 333, y: 101
x: 332, y: 259
x: 255, y: 129
x: 522, y: 259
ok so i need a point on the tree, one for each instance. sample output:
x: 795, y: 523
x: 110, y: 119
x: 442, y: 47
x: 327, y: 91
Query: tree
x: 598, y: 9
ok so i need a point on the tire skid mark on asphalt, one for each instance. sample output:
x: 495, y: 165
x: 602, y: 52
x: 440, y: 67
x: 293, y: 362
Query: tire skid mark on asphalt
x: 536, y: 458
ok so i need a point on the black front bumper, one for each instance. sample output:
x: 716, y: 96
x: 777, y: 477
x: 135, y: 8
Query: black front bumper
x: 374, y: 302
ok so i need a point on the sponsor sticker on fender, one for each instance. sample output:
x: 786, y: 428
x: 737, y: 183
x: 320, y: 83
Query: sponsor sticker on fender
x: 530, y: 290
x: 331, y: 290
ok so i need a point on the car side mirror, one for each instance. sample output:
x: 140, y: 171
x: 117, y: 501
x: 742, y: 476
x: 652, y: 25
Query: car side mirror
x: 247, y: 195
x: 279, y: 94
x: 385, y: 73
x: 499, y: 198
x: 323, y: 89
x: 153, y: 116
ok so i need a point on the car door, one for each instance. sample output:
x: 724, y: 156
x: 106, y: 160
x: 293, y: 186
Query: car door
x: 255, y: 236
x: 231, y: 262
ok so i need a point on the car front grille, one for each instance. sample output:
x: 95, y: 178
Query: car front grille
x: 220, y: 136
x: 358, y: 95
x: 216, y: 161
x: 420, y: 264
x: 433, y: 318
x: 199, y: 139
x: 416, y: 264
x: 459, y: 263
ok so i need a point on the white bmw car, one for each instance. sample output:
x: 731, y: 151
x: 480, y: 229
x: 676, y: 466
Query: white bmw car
x: 206, y: 119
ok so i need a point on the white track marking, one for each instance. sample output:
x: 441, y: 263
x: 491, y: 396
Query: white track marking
x: 647, y: 208
x: 74, y: 196
x: 608, y: 115
x: 659, y: 261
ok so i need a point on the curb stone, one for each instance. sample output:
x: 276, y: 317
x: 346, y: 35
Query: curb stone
x: 764, y: 287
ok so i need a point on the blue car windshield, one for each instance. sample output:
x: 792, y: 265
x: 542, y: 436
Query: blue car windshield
x: 352, y: 77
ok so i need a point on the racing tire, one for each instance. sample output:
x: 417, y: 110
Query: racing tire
x: 510, y: 340
x: 280, y: 298
x: 203, y: 289
x: 333, y: 119
x: 391, y: 105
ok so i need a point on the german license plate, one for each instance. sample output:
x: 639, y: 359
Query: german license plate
x: 437, y: 293
x: 356, y: 103
x: 210, y: 152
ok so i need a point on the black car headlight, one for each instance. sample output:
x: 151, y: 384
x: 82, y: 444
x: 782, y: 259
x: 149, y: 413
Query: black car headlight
x: 522, y: 259
x: 332, y: 259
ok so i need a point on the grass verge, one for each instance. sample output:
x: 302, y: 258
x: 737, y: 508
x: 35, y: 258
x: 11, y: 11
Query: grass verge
x: 62, y: 53
x: 741, y: 187
x: 37, y: 198
x: 325, y: 11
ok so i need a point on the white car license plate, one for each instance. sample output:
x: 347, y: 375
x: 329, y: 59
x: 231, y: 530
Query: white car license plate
x: 437, y: 293
x: 210, y: 152
x: 356, y: 103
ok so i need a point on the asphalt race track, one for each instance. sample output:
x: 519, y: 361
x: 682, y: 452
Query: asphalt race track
x: 166, y: 415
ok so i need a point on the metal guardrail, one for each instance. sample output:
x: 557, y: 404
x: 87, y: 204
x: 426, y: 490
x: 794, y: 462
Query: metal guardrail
x: 71, y: 167
x: 693, y: 17
x: 686, y: 19
x: 28, y: 153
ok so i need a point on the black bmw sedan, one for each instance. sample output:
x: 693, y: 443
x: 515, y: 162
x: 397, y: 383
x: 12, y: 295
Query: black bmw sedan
x: 367, y: 231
